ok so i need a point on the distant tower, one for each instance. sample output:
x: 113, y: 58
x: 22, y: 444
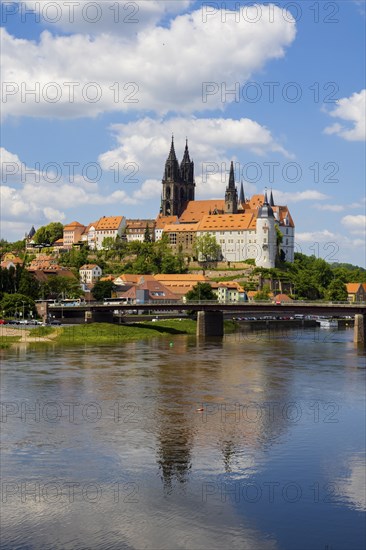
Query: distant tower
x: 231, y: 194
x: 266, y: 236
x: 271, y: 201
x: 178, y: 183
x: 241, y: 194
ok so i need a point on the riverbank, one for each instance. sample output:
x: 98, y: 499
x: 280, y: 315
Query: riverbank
x: 106, y: 333
x: 100, y: 333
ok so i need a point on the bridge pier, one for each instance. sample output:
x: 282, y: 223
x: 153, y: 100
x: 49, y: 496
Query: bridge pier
x: 99, y: 317
x: 210, y: 323
x: 359, y: 334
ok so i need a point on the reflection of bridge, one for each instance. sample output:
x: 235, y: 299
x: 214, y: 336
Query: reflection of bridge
x: 210, y: 314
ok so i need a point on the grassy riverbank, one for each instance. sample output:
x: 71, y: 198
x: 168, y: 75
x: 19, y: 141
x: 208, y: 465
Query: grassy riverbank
x: 7, y: 341
x: 106, y: 333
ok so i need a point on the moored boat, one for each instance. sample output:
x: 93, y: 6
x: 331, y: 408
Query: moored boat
x: 327, y: 323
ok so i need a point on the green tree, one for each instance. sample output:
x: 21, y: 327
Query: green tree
x: 14, y: 304
x: 280, y: 255
x: 336, y: 291
x: 147, y: 236
x: 201, y: 291
x: 5, y: 281
x: 62, y: 287
x: 108, y: 243
x: 206, y: 248
x: 48, y: 234
x: 102, y: 290
x: 28, y: 285
x: 262, y: 294
x: 74, y: 258
x: 17, y: 246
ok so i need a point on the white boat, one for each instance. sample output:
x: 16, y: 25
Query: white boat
x: 327, y: 323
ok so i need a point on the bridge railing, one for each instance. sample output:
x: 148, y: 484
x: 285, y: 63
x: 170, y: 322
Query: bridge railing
x: 178, y: 303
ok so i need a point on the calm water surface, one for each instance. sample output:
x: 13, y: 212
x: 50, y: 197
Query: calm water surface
x: 252, y: 442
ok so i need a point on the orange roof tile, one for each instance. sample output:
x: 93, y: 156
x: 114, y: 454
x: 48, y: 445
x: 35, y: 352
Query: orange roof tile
x: 111, y: 222
x: 165, y: 277
x: 139, y: 224
x: 283, y: 298
x: 255, y: 201
x: 72, y: 226
x: 88, y: 266
x: 161, y: 221
x: 218, y: 222
x: 282, y: 212
x: 180, y: 227
x: 87, y: 229
x: 196, y: 210
x: 353, y: 287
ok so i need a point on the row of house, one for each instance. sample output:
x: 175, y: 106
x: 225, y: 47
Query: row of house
x: 93, y: 235
x: 168, y: 287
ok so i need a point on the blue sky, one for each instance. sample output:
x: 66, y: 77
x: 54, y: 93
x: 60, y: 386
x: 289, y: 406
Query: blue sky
x: 278, y: 88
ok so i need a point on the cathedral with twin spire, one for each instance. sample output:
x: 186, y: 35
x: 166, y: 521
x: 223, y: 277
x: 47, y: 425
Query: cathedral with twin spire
x: 244, y: 228
x: 178, y: 183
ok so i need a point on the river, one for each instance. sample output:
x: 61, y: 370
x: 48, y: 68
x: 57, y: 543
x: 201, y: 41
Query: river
x: 256, y: 441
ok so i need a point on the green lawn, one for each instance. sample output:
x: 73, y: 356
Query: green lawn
x: 104, y: 333
x: 41, y: 331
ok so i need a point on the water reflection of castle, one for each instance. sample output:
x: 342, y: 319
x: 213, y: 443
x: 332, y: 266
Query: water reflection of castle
x: 243, y: 404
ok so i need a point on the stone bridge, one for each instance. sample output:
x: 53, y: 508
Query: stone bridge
x: 210, y: 314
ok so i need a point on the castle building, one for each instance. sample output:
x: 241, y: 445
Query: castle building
x: 244, y: 228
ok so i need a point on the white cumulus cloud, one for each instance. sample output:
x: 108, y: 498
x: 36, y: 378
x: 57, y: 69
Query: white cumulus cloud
x: 30, y: 196
x: 352, y: 110
x: 143, y: 146
x: 104, y: 16
x: 356, y: 224
x: 161, y: 69
x: 286, y: 197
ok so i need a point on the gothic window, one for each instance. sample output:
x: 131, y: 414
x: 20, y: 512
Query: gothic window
x: 169, y: 171
x: 168, y: 208
x: 167, y: 194
x: 182, y: 194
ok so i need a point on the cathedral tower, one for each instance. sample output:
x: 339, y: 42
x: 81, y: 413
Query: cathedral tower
x: 178, y: 183
x: 187, y: 174
x: 231, y: 194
